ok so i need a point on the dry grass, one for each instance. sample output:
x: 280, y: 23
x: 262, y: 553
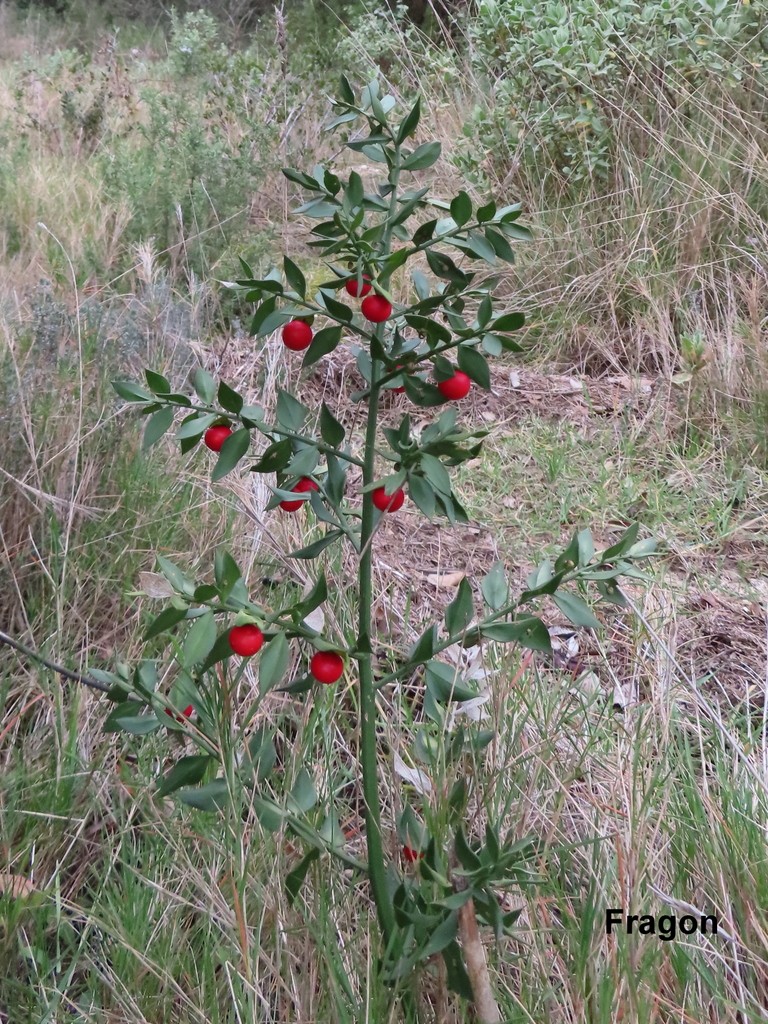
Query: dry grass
x: 639, y: 757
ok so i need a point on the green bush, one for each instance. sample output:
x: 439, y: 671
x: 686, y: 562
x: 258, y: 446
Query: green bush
x: 559, y: 72
x: 189, y: 169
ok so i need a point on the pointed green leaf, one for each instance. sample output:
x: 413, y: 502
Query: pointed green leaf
x: 459, y: 612
x: 229, y: 399
x: 294, y: 277
x: 576, y: 610
x: 331, y: 431
x: 422, y: 157
x: 213, y: 797
x: 474, y: 365
x: 495, y: 588
x: 157, y: 424
x: 232, y: 451
x: 188, y: 771
x: 273, y: 663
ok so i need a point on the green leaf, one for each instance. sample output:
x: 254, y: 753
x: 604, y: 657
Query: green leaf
x: 226, y: 571
x: 158, y: 384
x: 317, y: 595
x: 355, y: 191
x: 410, y: 122
x: 529, y: 632
x: 461, y: 208
x: 213, y: 797
x: 477, y: 245
x: 166, y: 620
x: 291, y: 414
x: 445, y: 684
x: 459, y: 612
x: 188, y: 771
x: 200, y: 639
x: 273, y: 663
x: 444, y: 267
x: 610, y: 592
x: 586, y: 546
x: 295, y: 878
x: 229, y: 399
x: 500, y: 245
x: 195, y: 425
x: 175, y: 576
x: 303, y: 796
x: 485, y: 312
x: 301, y: 685
x: 299, y: 178
x: 331, y: 431
x: 436, y: 473
x: 495, y: 588
x: 294, y: 277
x: 324, y: 342
x: 509, y: 322
x: 422, y: 494
x: 456, y: 975
x: 304, y: 462
x: 260, y: 755
x: 467, y: 857
x: 128, y: 717
x: 623, y: 544
x: 317, y: 547
x: 204, y: 385
x: 157, y: 424
x: 338, y: 310
x: 576, y: 610
x: 270, y: 815
x: 422, y: 157
x: 424, y: 647
x: 421, y: 392
x: 487, y: 212
x: 443, y: 935
x: 131, y: 392
x: 474, y: 365
x: 643, y: 548
x: 424, y: 232
x: 274, y: 458
x: 232, y: 451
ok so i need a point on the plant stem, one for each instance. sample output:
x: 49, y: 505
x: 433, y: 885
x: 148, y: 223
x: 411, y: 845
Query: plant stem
x: 369, y: 763
x: 377, y: 871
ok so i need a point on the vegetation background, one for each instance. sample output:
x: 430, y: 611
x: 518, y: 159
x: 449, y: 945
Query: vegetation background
x: 140, y: 149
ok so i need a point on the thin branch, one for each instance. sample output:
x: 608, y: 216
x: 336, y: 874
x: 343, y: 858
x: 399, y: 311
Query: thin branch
x: 63, y: 672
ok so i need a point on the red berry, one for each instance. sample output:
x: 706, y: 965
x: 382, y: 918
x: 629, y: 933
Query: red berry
x: 411, y: 855
x: 353, y: 288
x: 376, y: 309
x: 297, y: 335
x: 326, y: 666
x: 388, y: 502
x: 455, y: 387
x: 305, y: 484
x: 246, y: 640
x: 215, y: 437
x: 186, y: 713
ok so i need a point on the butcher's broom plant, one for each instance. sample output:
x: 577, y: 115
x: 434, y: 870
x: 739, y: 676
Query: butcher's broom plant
x: 448, y: 882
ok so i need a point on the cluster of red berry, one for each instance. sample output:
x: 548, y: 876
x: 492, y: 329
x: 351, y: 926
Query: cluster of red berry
x: 297, y: 334
x: 325, y: 666
x: 215, y: 437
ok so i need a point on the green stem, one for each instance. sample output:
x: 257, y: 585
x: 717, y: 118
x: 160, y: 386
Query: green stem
x: 267, y: 430
x: 377, y: 871
x: 369, y: 762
